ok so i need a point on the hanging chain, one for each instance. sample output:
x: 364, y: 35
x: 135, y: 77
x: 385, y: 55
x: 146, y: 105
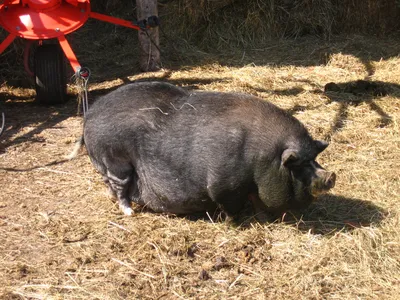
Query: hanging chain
x: 3, y: 123
x: 82, y: 78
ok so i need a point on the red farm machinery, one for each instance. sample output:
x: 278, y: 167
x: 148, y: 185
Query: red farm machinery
x: 41, y: 20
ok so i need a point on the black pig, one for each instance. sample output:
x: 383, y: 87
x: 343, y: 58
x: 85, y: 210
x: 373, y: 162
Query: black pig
x: 178, y: 152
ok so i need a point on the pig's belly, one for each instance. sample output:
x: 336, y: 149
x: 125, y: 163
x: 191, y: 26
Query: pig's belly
x: 177, y: 206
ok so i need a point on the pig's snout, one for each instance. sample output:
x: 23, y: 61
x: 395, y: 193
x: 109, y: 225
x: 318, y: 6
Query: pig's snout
x: 323, y: 183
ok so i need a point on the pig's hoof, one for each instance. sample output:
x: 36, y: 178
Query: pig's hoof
x: 127, y: 211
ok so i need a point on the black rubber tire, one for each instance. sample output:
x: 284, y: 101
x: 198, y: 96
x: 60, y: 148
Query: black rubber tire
x: 50, y: 77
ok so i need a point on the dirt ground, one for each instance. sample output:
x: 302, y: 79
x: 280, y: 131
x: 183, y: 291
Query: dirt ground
x: 61, y: 237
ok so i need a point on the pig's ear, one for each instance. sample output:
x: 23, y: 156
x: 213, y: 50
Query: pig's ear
x: 289, y: 157
x: 320, y: 145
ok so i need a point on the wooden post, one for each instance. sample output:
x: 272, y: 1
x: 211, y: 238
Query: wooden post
x: 149, y: 56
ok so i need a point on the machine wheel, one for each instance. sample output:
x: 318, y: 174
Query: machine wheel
x: 50, y: 78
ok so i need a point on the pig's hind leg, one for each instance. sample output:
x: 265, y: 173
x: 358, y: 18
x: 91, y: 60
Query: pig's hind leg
x: 118, y: 177
x: 120, y: 187
x: 110, y: 192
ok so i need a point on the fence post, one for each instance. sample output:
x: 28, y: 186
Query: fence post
x: 149, y: 54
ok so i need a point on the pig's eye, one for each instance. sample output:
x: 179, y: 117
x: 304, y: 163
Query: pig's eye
x: 305, y: 164
x: 299, y: 164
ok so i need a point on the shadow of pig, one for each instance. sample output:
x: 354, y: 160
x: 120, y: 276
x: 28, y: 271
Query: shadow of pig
x: 333, y: 213
x: 326, y: 216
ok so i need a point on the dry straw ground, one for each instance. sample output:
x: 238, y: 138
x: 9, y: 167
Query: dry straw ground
x: 62, y: 238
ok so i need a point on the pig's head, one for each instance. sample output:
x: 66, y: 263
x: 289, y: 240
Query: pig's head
x: 308, y: 178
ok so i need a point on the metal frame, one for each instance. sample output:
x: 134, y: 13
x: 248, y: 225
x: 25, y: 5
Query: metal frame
x: 79, y: 6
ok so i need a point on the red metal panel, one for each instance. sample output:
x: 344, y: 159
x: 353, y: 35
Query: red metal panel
x: 42, y: 5
x: 69, y: 53
x: 7, y: 42
x: 41, y: 19
x: 113, y: 20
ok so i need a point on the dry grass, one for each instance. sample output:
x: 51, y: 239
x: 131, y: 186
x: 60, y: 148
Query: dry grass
x: 221, y: 24
x: 62, y: 238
